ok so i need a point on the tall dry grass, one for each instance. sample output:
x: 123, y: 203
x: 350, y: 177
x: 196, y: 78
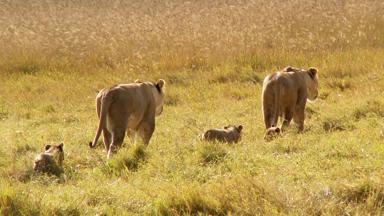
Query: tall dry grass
x: 171, y: 35
x: 213, y: 56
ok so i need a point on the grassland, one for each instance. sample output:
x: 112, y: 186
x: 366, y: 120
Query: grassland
x: 213, y: 54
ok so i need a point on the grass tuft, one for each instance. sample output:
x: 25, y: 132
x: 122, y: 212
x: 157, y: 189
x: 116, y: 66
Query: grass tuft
x: 190, y: 202
x: 127, y: 160
x: 363, y: 192
x: 370, y: 108
x: 211, y: 153
x: 13, y: 203
x: 332, y: 124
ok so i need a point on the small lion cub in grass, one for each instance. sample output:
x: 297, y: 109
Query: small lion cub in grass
x: 51, y: 160
x: 272, y: 133
x: 230, y: 134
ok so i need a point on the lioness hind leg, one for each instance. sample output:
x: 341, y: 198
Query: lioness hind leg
x: 268, y: 118
x: 288, y: 115
x: 107, y: 139
x: 117, y: 140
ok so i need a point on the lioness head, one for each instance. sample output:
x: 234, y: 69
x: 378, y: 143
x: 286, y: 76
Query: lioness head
x: 312, y: 83
x: 50, y: 160
x: 159, y: 96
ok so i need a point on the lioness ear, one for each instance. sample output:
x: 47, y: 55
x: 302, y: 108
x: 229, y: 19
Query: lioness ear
x: 240, y: 127
x: 47, y: 147
x: 160, y: 83
x: 312, y: 72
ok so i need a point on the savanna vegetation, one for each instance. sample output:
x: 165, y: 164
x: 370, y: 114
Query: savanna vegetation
x: 55, y: 55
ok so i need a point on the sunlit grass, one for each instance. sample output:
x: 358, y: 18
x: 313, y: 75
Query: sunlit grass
x: 213, y: 55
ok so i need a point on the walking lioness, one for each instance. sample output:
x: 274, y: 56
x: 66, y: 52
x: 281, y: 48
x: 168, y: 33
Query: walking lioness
x: 128, y: 108
x: 285, y: 94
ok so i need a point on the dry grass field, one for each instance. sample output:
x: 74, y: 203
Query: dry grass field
x: 55, y: 55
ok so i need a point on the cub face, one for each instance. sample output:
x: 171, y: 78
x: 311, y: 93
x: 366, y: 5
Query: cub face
x: 237, y: 129
x: 271, y: 133
x: 56, y: 151
x: 234, y: 130
x: 50, y: 159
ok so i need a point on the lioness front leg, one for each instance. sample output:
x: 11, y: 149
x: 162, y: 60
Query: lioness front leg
x: 132, y: 135
x: 298, y: 118
x: 107, y: 139
x: 146, y: 130
x: 299, y: 114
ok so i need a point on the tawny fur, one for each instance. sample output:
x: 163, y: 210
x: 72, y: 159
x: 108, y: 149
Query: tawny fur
x: 271, y: 133
x: 230, y: 134
x: 52, y: 158
x: 128, y: 108
x: 285, y: 95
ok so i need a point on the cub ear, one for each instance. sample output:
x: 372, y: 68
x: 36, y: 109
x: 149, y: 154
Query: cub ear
x: 61, y: 146
x: 277, y: 130
x: 288, y: 69
x: 225, y: 127
x: 160, y: 83
x: 47, y: 147
x: 312, y: 72
x: 240, y: 127
x: 138, y: 81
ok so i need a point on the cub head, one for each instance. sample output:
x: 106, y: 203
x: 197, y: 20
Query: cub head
x: 233, y: 133
x: 56, y: 151
x: 51, y: 160
x: 234, y: 128
x: 292, y: 69
x: 159, y: 96
x: 312, y: 82
x: 271, y: 133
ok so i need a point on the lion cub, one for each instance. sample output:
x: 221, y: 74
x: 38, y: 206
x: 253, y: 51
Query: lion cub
x: 271, y: 133
x: 230, y: 134
x: 51, y: 160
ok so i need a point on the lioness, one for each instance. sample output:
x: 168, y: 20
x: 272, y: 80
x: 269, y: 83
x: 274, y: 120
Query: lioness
x: 285, y: 94
x: 128, y: 108
x: 230, y: 134
x: 51, y: 160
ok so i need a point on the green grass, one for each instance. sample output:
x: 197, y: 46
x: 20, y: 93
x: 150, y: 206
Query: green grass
x: 214, y: 66
x: 334, y: 167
